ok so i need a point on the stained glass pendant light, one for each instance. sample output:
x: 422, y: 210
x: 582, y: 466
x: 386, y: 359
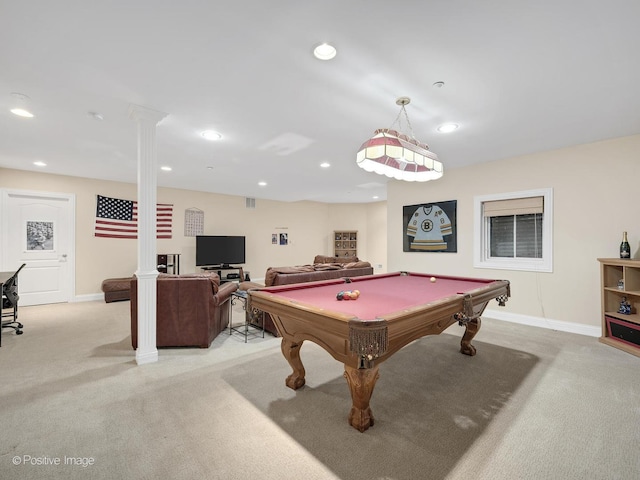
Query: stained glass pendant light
x: 398, y: 155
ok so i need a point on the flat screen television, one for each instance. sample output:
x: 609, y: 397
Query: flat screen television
x: 219, y: 250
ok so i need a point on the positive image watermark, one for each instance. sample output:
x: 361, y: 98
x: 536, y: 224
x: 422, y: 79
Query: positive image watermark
x: 46, y: 461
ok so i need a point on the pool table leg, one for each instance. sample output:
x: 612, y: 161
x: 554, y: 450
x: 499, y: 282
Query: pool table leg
x: 471, y: 328
x: 291, y: 351
x: 361, y: 382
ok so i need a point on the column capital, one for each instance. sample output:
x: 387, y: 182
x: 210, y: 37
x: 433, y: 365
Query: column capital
x: 138, y: 113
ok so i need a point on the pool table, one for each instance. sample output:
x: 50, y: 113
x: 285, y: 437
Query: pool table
x: 391, y: 311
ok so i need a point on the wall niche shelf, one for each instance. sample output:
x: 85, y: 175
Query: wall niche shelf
x: 345, y: 243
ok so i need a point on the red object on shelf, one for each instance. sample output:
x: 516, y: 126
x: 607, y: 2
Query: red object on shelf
x: 626, y: 332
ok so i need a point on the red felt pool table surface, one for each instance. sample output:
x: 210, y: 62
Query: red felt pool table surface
x: 380, y: 295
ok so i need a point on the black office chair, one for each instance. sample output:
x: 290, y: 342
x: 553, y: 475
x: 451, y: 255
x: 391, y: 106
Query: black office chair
x: 10, y: 302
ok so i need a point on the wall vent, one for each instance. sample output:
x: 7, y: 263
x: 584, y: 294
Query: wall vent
x: 250, y: 202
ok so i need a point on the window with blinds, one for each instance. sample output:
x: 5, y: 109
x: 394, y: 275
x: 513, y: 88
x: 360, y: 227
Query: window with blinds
x: 513, y: 231
x: 515, y: 227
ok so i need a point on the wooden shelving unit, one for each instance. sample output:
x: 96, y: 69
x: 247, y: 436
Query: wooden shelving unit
x: 345, y: 243
x: 620, y: 278
x: 169, y: 263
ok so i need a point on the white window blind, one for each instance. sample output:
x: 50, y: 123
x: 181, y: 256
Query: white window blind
x: 516, y: 236
x: 513, y: 206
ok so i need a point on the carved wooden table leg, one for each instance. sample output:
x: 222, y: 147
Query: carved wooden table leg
x: 471, y: 328
x: 361, y: 382
x: 291, y: 352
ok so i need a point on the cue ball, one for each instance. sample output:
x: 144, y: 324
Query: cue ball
x: 433, y: 279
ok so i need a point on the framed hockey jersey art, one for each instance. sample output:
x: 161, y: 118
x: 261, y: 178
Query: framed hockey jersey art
x: 430, y: 227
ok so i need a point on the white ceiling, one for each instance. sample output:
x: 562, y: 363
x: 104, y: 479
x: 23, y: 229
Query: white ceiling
x: 520, y: 77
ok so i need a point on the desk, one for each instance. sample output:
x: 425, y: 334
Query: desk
x: 243, y: 329
x: 393, y: 310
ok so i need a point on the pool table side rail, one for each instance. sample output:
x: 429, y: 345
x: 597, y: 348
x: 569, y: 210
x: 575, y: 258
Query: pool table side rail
x: 434, y: 317
x: 364, y: 278
x: 297, y: 323
x: 331, y: 330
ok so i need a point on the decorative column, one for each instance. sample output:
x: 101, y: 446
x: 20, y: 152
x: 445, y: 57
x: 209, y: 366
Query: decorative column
x: 147, y: 272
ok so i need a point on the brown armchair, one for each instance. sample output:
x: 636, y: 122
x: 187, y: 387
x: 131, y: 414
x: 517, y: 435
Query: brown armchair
x: 192, y: 309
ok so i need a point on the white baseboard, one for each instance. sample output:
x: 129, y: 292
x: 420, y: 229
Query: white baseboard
x: 90, y: 297
x: 559, y: 325
x: 532, y: 321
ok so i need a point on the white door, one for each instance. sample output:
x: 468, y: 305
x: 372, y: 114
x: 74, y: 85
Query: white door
x: 38, y: 229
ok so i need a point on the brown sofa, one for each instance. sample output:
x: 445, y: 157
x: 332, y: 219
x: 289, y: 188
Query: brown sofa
x: 323, y: 268
x: 192, y: 309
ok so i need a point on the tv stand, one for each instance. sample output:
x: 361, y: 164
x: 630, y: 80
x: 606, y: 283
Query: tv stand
x: 238, y: 277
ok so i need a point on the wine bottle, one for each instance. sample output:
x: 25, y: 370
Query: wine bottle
x: 625, y: 249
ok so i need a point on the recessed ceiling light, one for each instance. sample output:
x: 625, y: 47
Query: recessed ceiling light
x: 262, y: 184
x: 21, y: 112
x: 40, y: 164
x: 166, y: 169
x: 211, y: 135
x: 448, y: 127
x: 375, y: 197
x: 324, y: 51
x: 325, y: 164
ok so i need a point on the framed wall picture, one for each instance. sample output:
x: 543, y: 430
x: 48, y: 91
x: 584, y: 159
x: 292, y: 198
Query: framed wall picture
x: 430, y: 227
x: 40, y: 235
x: 193, y: 222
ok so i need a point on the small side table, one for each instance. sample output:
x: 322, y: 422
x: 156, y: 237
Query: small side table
x: 243, y: 329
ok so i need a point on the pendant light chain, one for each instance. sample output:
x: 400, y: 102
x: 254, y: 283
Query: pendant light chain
x: 402, y: 101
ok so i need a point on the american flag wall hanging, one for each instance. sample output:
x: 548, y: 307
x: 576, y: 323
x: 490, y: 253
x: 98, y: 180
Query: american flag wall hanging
x: 116, y: 218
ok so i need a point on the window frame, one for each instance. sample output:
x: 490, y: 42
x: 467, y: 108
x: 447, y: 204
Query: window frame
x: 482, y: 248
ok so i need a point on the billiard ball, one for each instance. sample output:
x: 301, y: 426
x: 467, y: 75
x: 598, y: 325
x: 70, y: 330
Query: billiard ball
x: 433, y: 279
x: 348, y: 295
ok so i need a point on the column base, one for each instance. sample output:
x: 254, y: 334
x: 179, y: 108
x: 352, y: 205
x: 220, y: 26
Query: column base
x: 150, y: 356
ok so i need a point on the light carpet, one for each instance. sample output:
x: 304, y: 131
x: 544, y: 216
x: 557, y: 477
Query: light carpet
x: 532, y: 404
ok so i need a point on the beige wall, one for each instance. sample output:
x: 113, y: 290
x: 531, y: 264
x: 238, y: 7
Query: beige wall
x: 596, y: 198
x: 309, y: 225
